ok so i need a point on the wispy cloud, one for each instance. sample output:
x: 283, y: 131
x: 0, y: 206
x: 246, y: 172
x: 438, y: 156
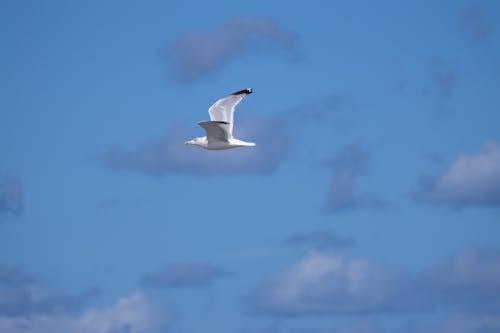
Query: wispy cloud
x: 473, y: 23
x: 350, y: 163
x: 11, y: 198
x: 22, y: 294
x: 202, y: 52
x: 444, y: 80
x: 346, y: 167
x: 363, y: 326
x: 471, y: 179
x: 463, y: 323
x: 179, y: 275
x: 321, y: 109
x: 12, y: 277
x: 170, y: 155
x: 320, y: 239
x: 469, y: 282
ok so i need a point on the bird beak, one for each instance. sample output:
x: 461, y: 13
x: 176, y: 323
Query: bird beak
x: 187, y: 142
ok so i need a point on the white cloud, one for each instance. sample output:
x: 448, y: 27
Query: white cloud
x: 133, y: 313
x: 331, y: 283
x: 327, y: 282
x: 470, y: 179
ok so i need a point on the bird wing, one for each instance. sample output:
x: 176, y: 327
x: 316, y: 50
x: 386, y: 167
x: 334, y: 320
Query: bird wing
x: 216, y: 130
x: 223, y: 109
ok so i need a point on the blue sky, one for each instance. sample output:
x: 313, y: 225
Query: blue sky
x: 370, y: 203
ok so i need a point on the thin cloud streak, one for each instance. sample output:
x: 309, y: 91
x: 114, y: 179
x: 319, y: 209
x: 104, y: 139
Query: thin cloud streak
x: 320, y: 239
x: 181, y: 275
x: 463, y: 323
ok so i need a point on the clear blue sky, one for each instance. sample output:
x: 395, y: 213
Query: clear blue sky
x: 370, y: 203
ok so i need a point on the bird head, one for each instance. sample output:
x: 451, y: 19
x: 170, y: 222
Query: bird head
x: 195, y: 141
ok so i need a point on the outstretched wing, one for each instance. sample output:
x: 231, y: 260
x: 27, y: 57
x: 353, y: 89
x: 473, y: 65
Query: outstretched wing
x: 223, y: 109
x: 216, y: 130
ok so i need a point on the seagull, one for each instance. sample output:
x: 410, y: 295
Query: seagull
x: 220, y: 127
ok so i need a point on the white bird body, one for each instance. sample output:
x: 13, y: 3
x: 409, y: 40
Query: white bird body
x: 219, y: 144
x: 220, y: 127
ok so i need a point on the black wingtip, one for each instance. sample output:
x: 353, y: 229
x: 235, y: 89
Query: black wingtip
x: 244, y: 91
x: 214, y: 122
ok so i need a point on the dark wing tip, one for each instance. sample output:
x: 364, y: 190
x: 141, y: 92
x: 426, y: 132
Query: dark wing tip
x: 244, y: 91
x: 213, y: 122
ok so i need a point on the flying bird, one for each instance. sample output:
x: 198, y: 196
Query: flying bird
x: 220, y: 127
